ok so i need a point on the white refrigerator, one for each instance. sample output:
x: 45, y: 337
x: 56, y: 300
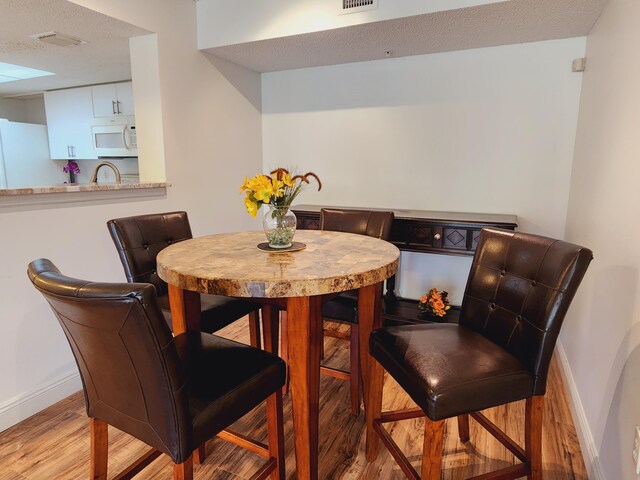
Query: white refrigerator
x: 24, y: 156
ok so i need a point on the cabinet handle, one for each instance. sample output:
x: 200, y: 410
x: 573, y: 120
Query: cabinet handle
x: 68, y: 151
x: 113, y: 106
x: 73, y: 151
x: 437, y: 236
x: 118, y: 104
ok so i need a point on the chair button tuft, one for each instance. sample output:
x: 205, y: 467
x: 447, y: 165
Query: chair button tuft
x: 534, y: 283
x: 493, y: 306
x: 503, y: 273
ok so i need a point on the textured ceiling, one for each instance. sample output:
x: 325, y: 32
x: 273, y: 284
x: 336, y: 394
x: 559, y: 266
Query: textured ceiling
x: 104, y: 58
x: 504, y: 23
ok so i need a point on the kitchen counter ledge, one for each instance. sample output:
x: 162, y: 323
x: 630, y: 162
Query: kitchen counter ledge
x: 83, y: 192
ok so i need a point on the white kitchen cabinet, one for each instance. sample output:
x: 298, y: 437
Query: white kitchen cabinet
x: 69, y: 121
x: 112, y: 100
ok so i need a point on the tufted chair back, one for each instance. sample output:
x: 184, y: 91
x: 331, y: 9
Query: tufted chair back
x: 363, y: 222
x: 139, y: 239
x: 518, y: 292
x: 126, y: 355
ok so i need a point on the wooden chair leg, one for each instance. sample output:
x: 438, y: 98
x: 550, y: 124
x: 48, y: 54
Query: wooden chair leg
x: 199, y: 455
x: 184, y: 470
x: 432, y: 450
x: 284, y: 348
x: 463, y: 427
x: 534, y: 410
x: 275, y: 431
x: 254, y: 329
x: 99, y: 448
x: 354, y: 353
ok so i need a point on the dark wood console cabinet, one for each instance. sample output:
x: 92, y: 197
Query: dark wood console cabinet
x: 446, y: 233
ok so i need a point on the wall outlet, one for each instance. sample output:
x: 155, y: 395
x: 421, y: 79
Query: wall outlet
x: 636, y: 450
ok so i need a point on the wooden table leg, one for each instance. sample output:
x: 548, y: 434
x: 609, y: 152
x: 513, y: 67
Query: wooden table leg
x: 304, y: 330
x: 185, y: 310
x: 370, y: 318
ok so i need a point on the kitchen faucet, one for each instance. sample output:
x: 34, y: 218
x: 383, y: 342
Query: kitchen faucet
x: 94, y: 175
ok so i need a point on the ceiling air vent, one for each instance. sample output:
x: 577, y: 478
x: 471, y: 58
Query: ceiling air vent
x: 353, y: 6
x: 59, y: 39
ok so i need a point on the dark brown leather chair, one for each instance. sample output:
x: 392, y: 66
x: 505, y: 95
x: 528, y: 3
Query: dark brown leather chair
x: 139, y: 239
x: 518, y: 292
x: 172, y: 393
x: 344, y: 307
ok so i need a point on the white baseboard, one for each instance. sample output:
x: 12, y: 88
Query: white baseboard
x: 587, y: 444
x: 27, y: 404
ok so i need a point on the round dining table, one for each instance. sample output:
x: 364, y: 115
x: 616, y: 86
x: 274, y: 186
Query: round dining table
x: 330, y: 262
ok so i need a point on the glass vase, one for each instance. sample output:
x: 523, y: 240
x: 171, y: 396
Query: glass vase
x: 279, y: 225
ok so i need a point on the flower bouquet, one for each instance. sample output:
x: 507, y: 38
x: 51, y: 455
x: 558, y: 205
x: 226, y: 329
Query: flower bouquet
x: 278, y: 190
x: 72, y: 169
x: 434, y: 303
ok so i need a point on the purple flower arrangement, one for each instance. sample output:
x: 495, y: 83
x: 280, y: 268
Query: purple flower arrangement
x: 71, y: 167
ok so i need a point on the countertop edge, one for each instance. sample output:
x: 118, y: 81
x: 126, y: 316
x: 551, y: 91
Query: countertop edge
x: 70, y: 195
x: 87, y: 187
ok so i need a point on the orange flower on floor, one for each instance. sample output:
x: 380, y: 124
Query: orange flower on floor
x: 434, y: 302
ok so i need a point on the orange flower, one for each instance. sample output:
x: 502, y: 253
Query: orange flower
x: 434, y: 302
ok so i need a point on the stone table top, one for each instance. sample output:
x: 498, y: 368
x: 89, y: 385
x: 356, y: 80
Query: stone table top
x: 231, y: 264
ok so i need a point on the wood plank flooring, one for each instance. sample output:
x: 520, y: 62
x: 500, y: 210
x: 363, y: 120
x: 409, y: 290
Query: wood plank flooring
x: 54, y: 444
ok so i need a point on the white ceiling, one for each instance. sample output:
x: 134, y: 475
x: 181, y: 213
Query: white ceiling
x: 504, y: 23
x: 105, y: 58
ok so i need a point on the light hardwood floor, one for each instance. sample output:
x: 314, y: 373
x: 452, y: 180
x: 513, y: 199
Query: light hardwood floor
x: 54, y: 444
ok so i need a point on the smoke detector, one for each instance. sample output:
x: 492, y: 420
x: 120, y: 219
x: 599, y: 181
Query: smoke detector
x: 59, y: 39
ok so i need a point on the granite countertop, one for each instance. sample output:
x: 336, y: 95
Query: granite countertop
x: 80, y: 187
x: 231, y: 264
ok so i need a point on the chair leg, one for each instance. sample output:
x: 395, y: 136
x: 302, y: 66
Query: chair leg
x: 199, y: 455
x: 99, y: 448
x: 254, y: 329
x: 284, y: 348
x: 354, y: 380
x: 276, y: 433
x: 463, y: 427
x: 432, y: 450
x: 184, y: 470
x: 534, y: 410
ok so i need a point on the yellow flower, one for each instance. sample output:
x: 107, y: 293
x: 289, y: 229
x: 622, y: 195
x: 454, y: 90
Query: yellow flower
x: 245, y: 185
x: 286, y: 179
x: 262, y: 188
x: 251, y: 206
x: 278, y: 187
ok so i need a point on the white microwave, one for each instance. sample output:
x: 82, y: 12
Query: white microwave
x: 115, y: 140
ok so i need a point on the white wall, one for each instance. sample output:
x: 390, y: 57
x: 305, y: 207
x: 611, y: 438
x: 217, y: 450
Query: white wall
x: 27, y: 110
x: 601, y: 335
x: 35, y: 112
x: 211, y: 141
x: 13, y: 109
x: 227, y: 22
x: 488, y: 130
